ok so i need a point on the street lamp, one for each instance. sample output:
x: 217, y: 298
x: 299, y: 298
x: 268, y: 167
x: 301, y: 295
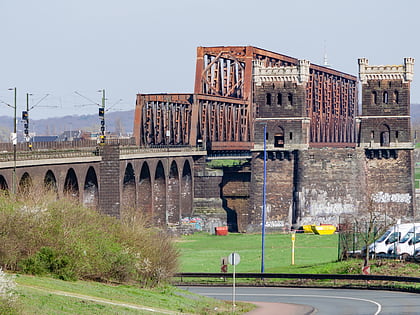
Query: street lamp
x: 14, y: 141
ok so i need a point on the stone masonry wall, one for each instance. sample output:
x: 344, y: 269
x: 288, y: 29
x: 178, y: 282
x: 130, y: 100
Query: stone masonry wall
x: 279, y: 190
x: 390, y: 184
x: 109, y: 192
x: 331, y: 182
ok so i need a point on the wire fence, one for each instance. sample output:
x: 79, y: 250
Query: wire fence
x: 376, y: 238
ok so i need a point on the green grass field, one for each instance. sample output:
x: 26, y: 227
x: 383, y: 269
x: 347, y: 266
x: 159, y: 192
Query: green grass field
x: 42, y: 295
x: 202, y: 252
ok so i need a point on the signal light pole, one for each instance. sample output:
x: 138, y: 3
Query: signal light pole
x: 102, y: 119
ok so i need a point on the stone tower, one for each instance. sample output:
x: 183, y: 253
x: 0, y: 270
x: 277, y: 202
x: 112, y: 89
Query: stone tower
x: 385, y: 136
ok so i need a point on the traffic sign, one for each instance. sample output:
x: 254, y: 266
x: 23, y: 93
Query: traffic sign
x: 234, y: 259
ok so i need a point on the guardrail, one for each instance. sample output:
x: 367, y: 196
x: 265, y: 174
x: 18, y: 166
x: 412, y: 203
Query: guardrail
x: 262, y: 276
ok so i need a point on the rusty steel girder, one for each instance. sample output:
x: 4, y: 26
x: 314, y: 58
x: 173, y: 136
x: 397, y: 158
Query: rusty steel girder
x: 331, y: 106
x: 189, y: 119
x: 222, y: 111
x: 163, y: 119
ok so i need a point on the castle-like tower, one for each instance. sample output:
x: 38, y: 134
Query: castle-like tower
x: 385, y: 135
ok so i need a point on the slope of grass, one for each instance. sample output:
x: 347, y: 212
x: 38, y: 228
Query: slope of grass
x: 38, y: 296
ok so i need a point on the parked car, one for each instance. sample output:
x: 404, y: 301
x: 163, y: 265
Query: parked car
x: 389, y: 239
x: 407, y: 245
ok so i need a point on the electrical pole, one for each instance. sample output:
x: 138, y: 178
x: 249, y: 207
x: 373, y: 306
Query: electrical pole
x: 102, y: 119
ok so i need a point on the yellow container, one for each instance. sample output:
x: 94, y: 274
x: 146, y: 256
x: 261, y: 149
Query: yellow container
x: 307, y: 229
x: 323, y: 229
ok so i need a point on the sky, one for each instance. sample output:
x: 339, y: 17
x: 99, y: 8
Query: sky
x: 63, y: 52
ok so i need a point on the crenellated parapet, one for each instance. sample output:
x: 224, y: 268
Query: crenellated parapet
x: 403, y: 72
x: 298, y: 74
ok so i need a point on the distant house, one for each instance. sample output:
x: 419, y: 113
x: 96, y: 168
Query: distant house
x: 44, y: 138
x: 70, y: 135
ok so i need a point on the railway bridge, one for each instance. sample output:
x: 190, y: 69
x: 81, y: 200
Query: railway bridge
x: 305, y: 140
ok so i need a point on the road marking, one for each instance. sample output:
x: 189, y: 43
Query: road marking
x: 379, y: 306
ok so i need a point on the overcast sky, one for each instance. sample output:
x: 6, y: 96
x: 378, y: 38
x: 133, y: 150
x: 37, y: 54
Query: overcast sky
x: 135, y: 46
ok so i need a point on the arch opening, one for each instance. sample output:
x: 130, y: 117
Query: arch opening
x: 71, y: 186
x: 90, y: 189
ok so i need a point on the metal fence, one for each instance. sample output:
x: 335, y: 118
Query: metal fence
x: 355, y: 236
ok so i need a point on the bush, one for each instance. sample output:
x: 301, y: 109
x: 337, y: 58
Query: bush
x: 8, y: 296
x: 68, y: 241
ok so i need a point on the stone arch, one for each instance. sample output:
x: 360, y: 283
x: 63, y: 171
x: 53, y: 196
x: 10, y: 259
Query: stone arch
x: 159, y: 195
x: 385, y: 135
x: 50, y: 182
x: 90, y: 189
x: 279, y: 137
x: 145, y: 190
x: 71, y: 186
x: 129, y: 188
x: 186, y: 190
x: 3, y: 184
x: 173, y: 194
x: 25, y: 183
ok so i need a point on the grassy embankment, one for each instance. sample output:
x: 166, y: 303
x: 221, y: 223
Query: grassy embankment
x: 41, y: 295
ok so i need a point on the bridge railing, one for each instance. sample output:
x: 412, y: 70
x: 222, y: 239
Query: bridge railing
x: 82, y: 148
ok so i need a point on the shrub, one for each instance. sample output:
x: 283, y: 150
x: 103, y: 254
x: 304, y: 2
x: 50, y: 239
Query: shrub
x: 66, y: 240
x: 8, y: 296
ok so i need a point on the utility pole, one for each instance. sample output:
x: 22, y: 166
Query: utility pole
x: 14, y: 141
x: 102, y: 119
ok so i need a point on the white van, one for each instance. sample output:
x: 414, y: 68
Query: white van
x: 408, y: 244
x: 390, y: 238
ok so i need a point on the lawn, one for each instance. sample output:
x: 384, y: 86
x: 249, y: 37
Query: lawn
x: 42, y: 295
x: 202, y: 252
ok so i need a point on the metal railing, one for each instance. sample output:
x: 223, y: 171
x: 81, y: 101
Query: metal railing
x: 373, y: 281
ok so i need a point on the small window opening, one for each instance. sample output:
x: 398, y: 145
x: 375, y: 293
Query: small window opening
x: 279, y: 99
x: 279, y: 140
x: 396, y: 134
x: 268, y: 99
x: 290, y: 98
x: 385, y: 97
x: 396, y: 97
x: 374, y: 97
x: 291, y: 136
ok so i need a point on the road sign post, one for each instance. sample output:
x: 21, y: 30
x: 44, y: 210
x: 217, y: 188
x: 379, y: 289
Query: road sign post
x: 234, y: 259
x: 293, y: 247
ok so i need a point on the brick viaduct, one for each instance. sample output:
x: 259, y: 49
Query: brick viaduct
x: 326, y: 154
x: 157, y: 182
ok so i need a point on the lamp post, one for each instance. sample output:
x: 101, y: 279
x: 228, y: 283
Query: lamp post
x: 14, y: 141
x: 263, y: 215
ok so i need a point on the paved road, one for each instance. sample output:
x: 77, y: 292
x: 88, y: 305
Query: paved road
x: 325, y: 301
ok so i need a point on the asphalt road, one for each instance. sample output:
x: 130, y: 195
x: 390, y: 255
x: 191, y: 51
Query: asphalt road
x: 325, y: 301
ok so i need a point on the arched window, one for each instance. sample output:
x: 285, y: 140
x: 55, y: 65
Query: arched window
x: 374, y: 97
x: 385, y: 136
x: 385, y: 97
x: 279, y: 99
x: 396, y: 97
x: 268, y: 99
x: 290, y: 98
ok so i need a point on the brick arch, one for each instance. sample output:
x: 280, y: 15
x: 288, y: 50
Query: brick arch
x: 159, y: 195
x: 25, y: 183
x: 71, y: 185
x: 145, y: 190
x: 90, y: 189
x: 186, y: 190
x: 173, y: 197
x: 3, y: 184
x: 129, y: 188
x: 50, y: 181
